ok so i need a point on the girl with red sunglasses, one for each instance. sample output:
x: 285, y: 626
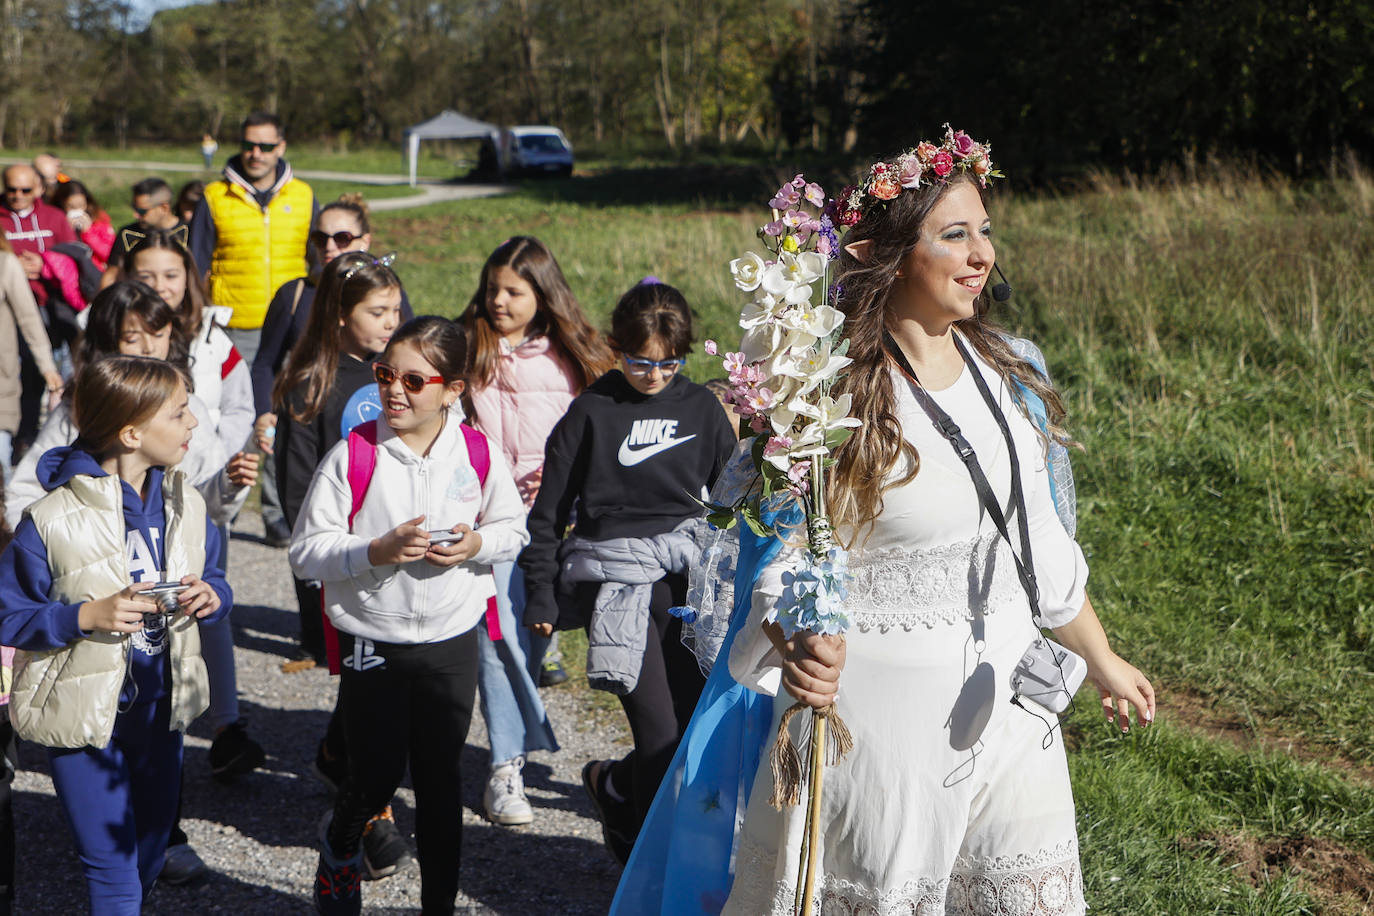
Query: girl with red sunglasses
x: 403, y: 523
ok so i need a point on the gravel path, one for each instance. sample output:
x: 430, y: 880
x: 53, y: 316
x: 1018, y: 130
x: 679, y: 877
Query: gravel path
x: 257, y: 834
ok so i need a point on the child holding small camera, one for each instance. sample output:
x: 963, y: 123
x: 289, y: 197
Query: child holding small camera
x: 108, y: 677
x: 402, y: 523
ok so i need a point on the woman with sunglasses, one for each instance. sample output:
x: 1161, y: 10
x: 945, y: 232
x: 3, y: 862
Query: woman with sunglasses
x: 327, y: 388
x: 341, y: 227
x: 634, y: 452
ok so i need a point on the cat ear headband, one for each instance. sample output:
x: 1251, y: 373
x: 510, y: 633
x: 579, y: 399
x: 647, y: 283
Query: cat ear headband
x: 385, y: 260
x: 131, y: 237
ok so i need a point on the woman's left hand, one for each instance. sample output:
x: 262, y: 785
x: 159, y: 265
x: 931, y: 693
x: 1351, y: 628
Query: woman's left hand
x: 445, y: 555
x: 199, y: 599
x: 1121, y: 686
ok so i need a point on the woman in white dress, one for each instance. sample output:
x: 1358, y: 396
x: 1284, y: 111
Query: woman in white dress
x: 953, y: 800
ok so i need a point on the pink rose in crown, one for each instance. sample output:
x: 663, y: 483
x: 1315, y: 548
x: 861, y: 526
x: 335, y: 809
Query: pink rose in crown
x: 981, y: 166
x: 909, y: 171
x: 885, y: 188
x: 942, y: 164
x: 963, y: 144
x: 925, y: 152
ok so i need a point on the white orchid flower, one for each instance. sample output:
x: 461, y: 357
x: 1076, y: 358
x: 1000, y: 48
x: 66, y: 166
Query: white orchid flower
x: 820, y: 363
x: 804, y: 267
x: 762, y: 341
x: 748, y: 271
x: 810, y: 443
x: 776, y: 281
x: 828, y: 412
x: 763, y: 308
x: 818, y: 321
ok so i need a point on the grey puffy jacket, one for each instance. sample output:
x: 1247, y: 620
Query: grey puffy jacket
x: 627, y: 569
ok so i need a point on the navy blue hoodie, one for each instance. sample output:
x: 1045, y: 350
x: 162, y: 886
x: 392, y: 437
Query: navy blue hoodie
x: 30, y: 620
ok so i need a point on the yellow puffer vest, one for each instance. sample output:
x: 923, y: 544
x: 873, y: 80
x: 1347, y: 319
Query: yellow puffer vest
x: 257, y: 250
x: 69, y: 697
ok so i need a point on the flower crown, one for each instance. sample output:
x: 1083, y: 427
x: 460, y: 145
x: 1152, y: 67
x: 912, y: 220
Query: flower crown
x: 923, y: 164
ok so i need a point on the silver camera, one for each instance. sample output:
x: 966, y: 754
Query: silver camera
x: 1049, y: 674
x: 165, y: 594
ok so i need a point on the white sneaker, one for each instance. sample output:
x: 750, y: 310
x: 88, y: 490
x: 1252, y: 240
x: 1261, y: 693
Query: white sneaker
x: 505, y: 795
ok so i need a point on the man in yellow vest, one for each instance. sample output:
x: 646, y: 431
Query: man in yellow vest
x: 249, y: 236
x: 249, y: 232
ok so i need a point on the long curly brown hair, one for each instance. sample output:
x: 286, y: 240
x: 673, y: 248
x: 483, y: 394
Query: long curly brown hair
x: 867, y: 464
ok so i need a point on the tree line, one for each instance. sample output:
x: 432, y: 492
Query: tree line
x: 1058, y: 85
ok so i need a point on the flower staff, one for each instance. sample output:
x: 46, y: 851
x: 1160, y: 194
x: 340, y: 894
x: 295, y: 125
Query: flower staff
x: 780, y: 381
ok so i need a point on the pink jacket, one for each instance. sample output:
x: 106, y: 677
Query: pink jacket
x: 528, y: 395
x: 62, y: 271
x: 100, y: 237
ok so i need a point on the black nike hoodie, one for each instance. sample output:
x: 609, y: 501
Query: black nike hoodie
x: 632, y: 464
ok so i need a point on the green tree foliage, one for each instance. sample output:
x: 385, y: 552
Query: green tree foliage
x: 1136, y: 84
x: 1056, y: 85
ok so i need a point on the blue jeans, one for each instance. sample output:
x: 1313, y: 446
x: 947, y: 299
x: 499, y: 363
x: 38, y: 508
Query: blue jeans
x: 515, y: 717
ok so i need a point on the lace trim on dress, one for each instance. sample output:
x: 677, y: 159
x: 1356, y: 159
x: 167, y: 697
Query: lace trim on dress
x: 1045, y: 883
x: 948, y: 584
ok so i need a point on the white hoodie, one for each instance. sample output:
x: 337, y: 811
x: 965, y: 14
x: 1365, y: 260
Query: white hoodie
x: 414, y: 602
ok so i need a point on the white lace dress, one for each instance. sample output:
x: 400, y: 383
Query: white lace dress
x: 953, y: 800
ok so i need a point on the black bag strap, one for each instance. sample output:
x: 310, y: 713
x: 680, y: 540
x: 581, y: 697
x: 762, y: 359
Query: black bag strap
x: 1025, y: 571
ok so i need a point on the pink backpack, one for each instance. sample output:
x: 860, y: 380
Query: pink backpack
x: 362, y: 461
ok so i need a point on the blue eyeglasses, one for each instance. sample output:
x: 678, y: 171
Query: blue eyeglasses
x: 667, y: 367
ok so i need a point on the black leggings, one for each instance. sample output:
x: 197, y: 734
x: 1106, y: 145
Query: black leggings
x: 312, y: 619
x: 661, y: 705
x: 400, y: 703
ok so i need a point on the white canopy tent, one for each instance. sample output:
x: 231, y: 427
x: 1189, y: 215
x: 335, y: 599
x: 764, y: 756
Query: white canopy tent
x: 447, y: 125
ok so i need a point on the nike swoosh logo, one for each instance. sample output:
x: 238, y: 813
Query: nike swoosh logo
x: 629, y: 457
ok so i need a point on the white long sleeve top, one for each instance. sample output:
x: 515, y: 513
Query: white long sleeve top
x: 414, y: 602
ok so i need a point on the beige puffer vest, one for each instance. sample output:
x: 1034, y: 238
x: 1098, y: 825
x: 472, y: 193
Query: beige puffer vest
x: 69, y: 697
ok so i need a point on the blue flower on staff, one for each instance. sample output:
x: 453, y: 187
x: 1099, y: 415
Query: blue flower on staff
x: 813, y: 596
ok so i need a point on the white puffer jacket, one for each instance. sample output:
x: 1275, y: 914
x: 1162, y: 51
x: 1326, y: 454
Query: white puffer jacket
x: 69, y: 697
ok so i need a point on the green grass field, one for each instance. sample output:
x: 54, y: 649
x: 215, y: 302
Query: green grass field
x: 1213, y: 345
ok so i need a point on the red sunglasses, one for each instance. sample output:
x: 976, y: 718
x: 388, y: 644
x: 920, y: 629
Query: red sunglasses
x: 413, y: 382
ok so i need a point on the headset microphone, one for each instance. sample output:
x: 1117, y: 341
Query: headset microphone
x: 1001, y: 292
